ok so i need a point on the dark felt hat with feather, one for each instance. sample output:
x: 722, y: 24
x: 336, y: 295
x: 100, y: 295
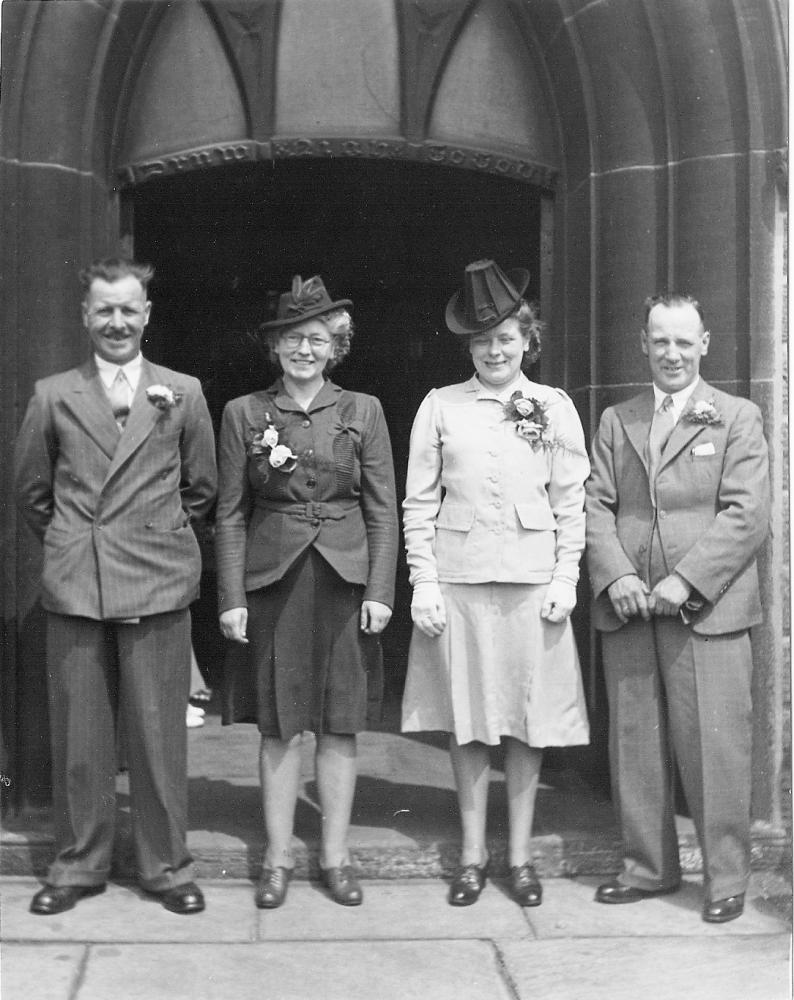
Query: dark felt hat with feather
x: 305, y: 300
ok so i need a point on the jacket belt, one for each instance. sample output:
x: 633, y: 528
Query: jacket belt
x: 312, y: 510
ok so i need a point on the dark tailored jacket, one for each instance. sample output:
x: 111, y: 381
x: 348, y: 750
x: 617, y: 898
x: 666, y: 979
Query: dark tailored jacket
x: 712, y: 498
x: 116, y: 511
x: 340, y: 497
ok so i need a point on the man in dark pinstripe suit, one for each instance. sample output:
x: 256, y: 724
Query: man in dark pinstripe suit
x: 115, y: 464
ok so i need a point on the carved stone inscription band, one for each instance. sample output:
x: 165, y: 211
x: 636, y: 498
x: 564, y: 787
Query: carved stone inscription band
x: 220, y: 154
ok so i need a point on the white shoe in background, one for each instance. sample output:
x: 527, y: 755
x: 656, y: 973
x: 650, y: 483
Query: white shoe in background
x: 194, y: 717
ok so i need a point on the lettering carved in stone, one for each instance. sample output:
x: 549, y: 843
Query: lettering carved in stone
x: 343, y: 148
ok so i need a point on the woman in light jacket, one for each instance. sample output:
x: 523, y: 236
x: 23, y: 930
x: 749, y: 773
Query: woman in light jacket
x: 494, y: 530
x: 306, y: 542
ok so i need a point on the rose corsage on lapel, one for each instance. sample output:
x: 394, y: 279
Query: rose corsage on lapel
x: 164, y: 397
x: 531, y: 420
x: 702, y: 412
x: 265, y: 446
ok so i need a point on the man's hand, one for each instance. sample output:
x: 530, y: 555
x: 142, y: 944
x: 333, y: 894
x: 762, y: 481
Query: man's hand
x: 668, y: 595
x: 629, y: 597
x: 234, y: 623
x: 428, y: 611
x: 559, y: 602
x: 374, y: 617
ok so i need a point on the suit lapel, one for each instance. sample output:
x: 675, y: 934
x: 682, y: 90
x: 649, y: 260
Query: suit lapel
x: 637, y: 417
x: 684, y: 431
x: 140, y: 422
x: 88, y: 403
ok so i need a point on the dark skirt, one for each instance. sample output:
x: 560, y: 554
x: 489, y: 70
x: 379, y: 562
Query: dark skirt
x: 308, y: 665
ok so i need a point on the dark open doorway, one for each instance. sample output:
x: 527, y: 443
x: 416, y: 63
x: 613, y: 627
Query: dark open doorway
x: 393, y: 237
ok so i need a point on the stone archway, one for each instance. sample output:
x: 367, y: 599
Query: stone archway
x: 659, y: 130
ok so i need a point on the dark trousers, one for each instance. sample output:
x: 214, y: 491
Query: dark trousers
x: 678, y: 696
x: 138, y: 675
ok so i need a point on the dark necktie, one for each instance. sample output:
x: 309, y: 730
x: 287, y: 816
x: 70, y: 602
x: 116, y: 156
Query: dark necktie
x: 661, y: 428
x: 119, y: 395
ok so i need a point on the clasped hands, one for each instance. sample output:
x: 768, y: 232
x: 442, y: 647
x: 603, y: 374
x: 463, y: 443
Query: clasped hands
x: 374, y: 619
x: 630, y: 597
x: 429, y: 613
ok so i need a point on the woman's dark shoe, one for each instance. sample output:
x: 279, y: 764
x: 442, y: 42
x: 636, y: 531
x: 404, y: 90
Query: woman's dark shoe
x: 719, y: 911
x: 525, y: 887
x: 468, y: 884
x: 272, y: 888
x: 342, y: 885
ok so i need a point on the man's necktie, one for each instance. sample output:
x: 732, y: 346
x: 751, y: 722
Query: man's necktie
x: 119, y: 394
x: 661, y: 428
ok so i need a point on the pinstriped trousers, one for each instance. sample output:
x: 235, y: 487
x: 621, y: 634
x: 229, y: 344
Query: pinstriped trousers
x: 139, y: 675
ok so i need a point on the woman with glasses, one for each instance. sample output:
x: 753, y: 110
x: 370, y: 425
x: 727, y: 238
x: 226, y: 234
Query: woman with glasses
x: 306, y: 538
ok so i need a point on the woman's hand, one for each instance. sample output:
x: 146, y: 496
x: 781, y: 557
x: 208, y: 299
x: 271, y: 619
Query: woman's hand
x: 234, y: 623
x: 374, y: 617
x: 560, y: 601
x: 428, y: 611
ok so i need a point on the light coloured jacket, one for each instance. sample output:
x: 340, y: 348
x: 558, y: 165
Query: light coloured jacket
x: 712, y: 499
x: 116, y: 512
x: 481, y: 504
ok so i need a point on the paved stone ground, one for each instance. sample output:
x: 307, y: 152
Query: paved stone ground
x: 404, y: 942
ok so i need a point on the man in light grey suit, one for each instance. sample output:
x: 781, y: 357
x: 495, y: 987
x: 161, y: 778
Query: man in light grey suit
x: 677, y: 508
x: 115, y: 464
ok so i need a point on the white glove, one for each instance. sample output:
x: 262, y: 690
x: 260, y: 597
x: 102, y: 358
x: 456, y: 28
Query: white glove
x: 560, y: 601
x: 428, y: 610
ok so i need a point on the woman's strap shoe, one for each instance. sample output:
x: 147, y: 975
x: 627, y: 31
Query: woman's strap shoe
x: 719, y: 911
x: 342, y: 885
x: 468, y: 884
x: 272, y: 888
x: 525, y: 887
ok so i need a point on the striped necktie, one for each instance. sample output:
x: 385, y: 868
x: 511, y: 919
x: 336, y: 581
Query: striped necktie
x: 661, y: 428
x: 119, y: 395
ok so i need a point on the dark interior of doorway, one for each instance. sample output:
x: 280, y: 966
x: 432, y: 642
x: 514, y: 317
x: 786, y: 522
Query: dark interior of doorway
x: 393, y: 237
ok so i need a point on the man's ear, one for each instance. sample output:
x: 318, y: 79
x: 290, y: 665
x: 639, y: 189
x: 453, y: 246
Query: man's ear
x: 644, y: 341
x: 704, y: 340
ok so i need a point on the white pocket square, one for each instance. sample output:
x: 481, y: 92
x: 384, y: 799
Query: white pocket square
x: 704, y: 449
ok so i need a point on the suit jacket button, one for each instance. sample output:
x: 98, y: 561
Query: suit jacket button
x: 311, y: 483
x: 315, y: 522
x: 306, y: 423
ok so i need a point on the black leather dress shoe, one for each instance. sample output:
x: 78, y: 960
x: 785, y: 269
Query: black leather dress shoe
x: 187, y: 898
x: 468, y: 884
x: 720, y: 911
x: 272, y: 889
x: 342, y: 885
x: 525, y: 887
x: 616, y: 892
x: 57, y: 898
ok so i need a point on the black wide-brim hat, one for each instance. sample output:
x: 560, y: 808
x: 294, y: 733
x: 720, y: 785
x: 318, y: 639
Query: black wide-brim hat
x: 305, y: 300
x: 488, y: 296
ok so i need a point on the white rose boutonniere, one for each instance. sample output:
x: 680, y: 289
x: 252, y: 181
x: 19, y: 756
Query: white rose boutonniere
x: 164, y: 397
x: 702, y: 412
x: 265, y: 444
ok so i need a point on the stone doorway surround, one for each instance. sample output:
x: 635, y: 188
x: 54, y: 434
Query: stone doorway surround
x: 654, y: 131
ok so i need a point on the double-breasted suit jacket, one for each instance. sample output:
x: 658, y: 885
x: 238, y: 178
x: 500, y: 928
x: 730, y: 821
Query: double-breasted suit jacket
x: 339, y: 498
x: 116, y: 513
x: 712, y: 506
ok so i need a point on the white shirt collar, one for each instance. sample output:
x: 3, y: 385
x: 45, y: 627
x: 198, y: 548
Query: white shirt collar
x: 108, y: 371
x: 680, y: 398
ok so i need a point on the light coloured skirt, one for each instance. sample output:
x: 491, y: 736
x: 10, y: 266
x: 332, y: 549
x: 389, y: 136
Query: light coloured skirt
x: 498, y: 669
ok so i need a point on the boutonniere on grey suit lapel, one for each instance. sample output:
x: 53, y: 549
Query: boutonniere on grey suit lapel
x: 164, y: 397
x: 702, y: 412
x: 265, y: 445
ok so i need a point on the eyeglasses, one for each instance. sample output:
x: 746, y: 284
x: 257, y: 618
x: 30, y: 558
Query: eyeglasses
x: 293, y: 340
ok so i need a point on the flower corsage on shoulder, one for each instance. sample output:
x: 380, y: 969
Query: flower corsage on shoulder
x: 702, y: 412
x: 533, y: 424
x: 164, y: 397
x: 265, y: 445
